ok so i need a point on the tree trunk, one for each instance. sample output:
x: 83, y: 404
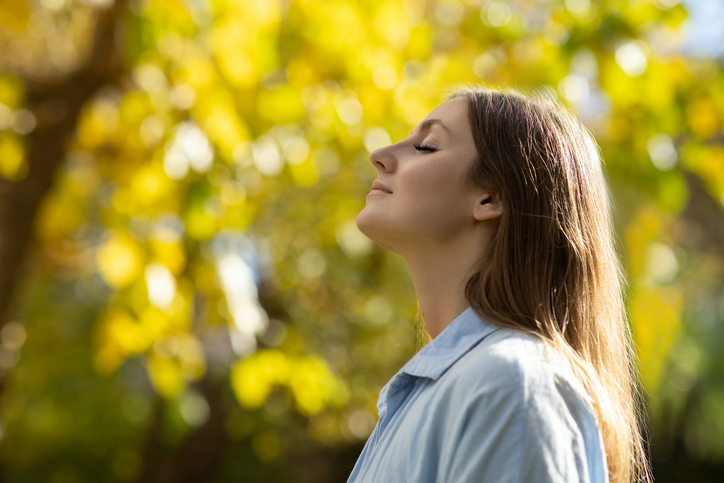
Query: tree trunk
x: 56, y: 104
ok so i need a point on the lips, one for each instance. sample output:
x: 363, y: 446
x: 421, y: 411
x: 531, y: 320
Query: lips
x: 376, y: 185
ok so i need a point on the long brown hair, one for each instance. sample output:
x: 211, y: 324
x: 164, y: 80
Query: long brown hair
x: 552, y: 269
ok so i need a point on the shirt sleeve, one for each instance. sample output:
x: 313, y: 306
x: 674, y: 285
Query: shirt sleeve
x: 527, y: 429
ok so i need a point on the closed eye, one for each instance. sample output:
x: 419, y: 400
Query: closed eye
x: 421, y: 147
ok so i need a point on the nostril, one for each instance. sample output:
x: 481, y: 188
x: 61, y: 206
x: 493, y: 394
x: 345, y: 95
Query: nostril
x: 380, y: 158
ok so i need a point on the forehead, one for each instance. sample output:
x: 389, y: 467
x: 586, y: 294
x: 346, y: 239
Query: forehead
x: 454, y: 115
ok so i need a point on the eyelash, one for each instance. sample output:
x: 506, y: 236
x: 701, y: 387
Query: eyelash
x: 420, y: 147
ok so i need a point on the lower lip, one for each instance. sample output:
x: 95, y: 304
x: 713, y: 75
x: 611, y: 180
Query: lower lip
x: 378, y: 192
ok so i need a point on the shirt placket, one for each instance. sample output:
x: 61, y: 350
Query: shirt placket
x: 391, y: 398
x: 396, y: 395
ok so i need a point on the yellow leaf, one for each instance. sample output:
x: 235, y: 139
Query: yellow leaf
x: 283, y: 105
x: 97, y: 122
x: 150, y: 183
x: 304, y: 174
x: 126, y: 332
x: 420, y: 41
x: 12, y: 91
x: 314, y: 385
x: 199, y: 225
x: 703, y: 117
x: 172, y: 255
x: 646, y: 228
x: 165, y: 374
x: 154, y: 322
x: 119, y: 260
x: 134, y: 108
x: 198, y: 72
x: 252, y: 378
x: 301, y: 73
x: 655, y: 313
x: 118, y: 335
x: 223, y: 125
x: 262, y: 13
x: 107, y: 359
x: 12, y: 158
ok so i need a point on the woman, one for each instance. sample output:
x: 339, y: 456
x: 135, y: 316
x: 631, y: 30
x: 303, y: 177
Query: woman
x: 499, y: 206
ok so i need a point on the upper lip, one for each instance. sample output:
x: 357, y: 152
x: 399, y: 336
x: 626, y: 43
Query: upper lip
x: 376, y: 185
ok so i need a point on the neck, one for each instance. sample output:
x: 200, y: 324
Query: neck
x: 439, y: 275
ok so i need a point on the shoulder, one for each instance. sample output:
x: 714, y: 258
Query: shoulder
x: 519, y: 393
x: 505, y: 356
x: 519, y: 365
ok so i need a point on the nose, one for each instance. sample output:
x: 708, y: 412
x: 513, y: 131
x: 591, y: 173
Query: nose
x: 382, y: 158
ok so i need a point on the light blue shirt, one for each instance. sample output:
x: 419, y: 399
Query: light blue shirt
x: 482, y: 404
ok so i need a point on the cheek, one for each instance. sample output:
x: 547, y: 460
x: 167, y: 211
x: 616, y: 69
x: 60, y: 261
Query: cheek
x: 425, y: 175
x: 432, y: 197
x: 428, y: 184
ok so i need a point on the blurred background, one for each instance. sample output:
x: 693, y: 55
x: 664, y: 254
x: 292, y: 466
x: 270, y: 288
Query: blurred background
x: 184, y: 294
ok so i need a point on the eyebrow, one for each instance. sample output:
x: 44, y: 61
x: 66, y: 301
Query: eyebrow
x: 428, y: 123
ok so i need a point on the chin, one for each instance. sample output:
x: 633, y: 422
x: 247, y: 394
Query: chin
x: 375, y: 231
x: 366, y: 223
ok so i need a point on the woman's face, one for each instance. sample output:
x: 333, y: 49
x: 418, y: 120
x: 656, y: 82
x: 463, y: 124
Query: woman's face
x: 426, y: 203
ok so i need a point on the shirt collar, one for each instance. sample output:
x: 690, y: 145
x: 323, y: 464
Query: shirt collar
x: 456, y: 340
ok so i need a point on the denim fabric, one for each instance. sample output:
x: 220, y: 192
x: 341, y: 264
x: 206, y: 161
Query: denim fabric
x: 482, y: 404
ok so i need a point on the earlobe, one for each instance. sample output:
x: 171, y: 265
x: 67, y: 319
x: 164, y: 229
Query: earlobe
x: 488, y: 206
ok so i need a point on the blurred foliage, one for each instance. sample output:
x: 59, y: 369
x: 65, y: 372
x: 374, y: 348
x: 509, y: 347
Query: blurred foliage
x: 200, y: 232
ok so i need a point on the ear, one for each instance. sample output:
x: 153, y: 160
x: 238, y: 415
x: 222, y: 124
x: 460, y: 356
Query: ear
x: 487, y: 206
